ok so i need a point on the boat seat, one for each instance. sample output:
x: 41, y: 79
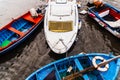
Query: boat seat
x: 113, y: 24
x: 77, y: 62
x: 16, y: 31
x: 103, y: 14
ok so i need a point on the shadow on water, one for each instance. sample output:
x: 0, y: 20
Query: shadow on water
x: 17, y: 51
x: 56, y: 56
x: 60, y: 56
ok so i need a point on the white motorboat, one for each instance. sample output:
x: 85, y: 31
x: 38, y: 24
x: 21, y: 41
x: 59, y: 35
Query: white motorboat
x: 61, y: 24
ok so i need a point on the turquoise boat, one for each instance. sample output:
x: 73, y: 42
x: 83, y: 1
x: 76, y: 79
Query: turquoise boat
x: 80, y: 67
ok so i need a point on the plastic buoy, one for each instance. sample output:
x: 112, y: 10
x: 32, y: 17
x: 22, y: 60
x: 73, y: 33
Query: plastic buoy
x: 105, y: 68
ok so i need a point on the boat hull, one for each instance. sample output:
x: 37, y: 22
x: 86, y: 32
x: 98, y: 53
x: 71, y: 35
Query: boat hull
x: 58, y: 70
x: 17, y: 31
x: 108, y: 17
x: 61, y: 25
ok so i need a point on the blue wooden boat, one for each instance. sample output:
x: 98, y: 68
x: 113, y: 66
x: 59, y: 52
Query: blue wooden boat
x: 18, y: 30
x: 65, y: 68
x: 108, y: 17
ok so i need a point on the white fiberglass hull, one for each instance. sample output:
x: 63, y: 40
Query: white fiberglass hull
x: 60, y: 41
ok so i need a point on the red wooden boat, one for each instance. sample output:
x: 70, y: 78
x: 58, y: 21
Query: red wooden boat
x: 18, y: 30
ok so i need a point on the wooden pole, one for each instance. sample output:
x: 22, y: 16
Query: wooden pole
x: 91, y: 68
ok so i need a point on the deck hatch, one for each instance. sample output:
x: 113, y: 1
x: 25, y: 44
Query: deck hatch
x: 57, y: 26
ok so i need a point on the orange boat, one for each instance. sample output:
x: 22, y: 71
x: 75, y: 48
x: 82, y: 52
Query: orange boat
x: 18, y: 30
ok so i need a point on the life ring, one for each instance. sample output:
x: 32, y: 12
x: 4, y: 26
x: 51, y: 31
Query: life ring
x: 105, y: 68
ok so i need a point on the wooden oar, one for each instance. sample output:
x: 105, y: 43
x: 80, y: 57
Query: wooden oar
x: 80, y: 73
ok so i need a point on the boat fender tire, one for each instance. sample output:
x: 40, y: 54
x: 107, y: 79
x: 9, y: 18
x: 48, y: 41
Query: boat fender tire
x: 105, y: 68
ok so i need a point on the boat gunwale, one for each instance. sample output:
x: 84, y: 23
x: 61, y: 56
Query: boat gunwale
x: 73, y: 57
x: 21, y: 38
x: 106, y: 25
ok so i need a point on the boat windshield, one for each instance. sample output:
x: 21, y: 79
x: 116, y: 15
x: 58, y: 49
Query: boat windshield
x: 60, y: 26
